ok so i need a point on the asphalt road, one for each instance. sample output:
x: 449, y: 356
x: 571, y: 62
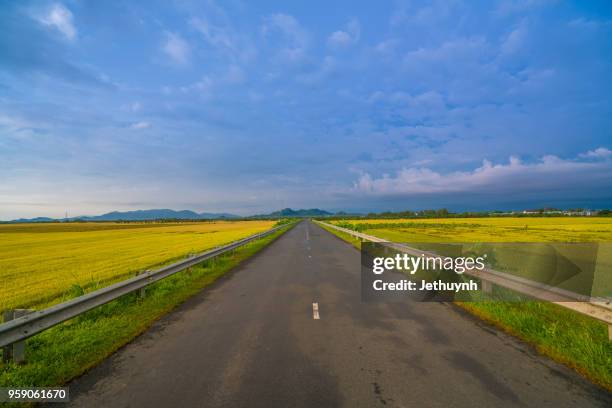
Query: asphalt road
x: 252, y: 340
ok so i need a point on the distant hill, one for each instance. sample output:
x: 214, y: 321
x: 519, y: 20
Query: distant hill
x: 141, y: 215
x: 37, y: 219
x: 288, y: 212
x: 167, y: 214
x: 157, y: 214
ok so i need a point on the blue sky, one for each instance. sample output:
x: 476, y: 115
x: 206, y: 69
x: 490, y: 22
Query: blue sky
x: 247, y: 107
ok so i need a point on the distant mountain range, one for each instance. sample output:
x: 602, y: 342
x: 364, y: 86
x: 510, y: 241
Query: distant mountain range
x: 37, y: 219
x: 288, y: 212
x: 161, y: 214
x: 167, y: 214
x: 140, y: 215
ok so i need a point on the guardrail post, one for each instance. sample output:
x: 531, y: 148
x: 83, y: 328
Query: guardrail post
x: 142, y: 292
x: 16, y: 351
x: 487, y: 287
x: 610, y: 332
x: 190, y: 255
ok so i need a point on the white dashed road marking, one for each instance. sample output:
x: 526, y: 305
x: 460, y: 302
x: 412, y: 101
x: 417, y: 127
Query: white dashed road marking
x: 315, y: 311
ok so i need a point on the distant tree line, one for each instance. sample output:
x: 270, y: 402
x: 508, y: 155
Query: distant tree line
x: 445, y: 213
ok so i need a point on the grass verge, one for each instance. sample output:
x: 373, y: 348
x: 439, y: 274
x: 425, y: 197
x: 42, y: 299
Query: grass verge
x: 66, y: 351
x: 567, y: 337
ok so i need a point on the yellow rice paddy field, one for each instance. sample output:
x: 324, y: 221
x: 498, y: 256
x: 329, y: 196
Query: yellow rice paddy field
x: 43, y: 263
x: 502, y: 229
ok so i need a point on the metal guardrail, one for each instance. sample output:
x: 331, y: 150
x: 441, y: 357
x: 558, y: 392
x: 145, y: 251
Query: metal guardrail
x: 27, y: 326
x: 597, y: 308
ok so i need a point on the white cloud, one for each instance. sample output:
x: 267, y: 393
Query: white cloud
x: 387, y: 46
x: 599, y: 153
x: 13, y: 123
x: 514, y: 41
x: 215, y: 36
x: 204, y: 87
x: 132, y: 107
x: 288, y: 26
x: 207, y: 86
x: 589, y: 24
x: 339, y: 39
x: 60, y: 18
x: 19, y: 127
x: 449, y: 51
x: 140, y: 125
x: 176, y: 48
x: 293, y: 34
x: 549, y: 173
x: 225, y: 39
x: 343, y: 38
